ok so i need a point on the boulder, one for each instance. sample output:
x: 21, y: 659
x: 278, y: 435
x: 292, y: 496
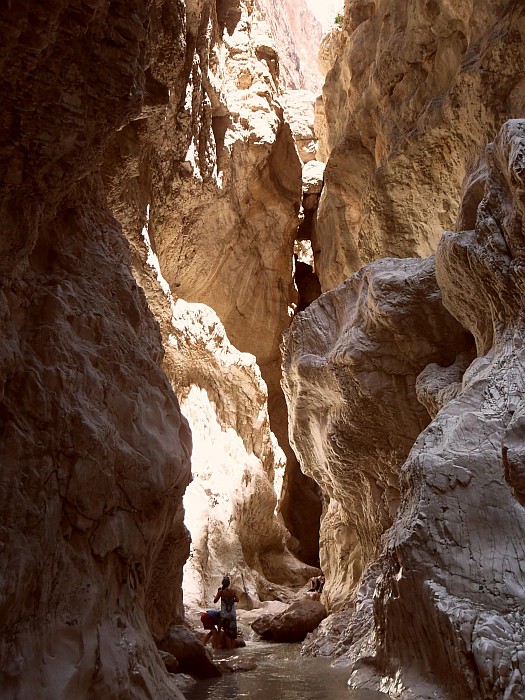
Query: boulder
x: 236, y: 665
x: 171, y: 663
x: 293, y: 624
x: 192, y: 656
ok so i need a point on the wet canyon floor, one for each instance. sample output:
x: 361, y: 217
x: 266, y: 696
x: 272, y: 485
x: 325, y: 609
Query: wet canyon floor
x: 281, y: 674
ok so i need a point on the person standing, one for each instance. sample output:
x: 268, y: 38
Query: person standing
x: 228, y: 597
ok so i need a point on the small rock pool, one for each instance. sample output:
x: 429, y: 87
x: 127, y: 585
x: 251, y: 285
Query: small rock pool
x: 281, y: 674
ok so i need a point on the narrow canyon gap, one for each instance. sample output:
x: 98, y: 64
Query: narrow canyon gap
x: 306, y: 332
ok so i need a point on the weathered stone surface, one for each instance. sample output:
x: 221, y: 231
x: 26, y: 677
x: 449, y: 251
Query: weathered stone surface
x: 350, y: 363
x: 293, y: 624
x: 298, y: 108
x: 448, y: 588
x: 313, y: 174
x: 237, y: 464
x: 192, y: 656
x: 415, y: 93
x: 94, y: 452
x: 297, y: 35
x: 216, y: 183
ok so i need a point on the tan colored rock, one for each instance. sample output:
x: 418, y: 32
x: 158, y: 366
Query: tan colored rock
x: 237, y: 466
x: 216, y: 181
x: 447, y: 590
x: 293, y: 624
x: 350, y: 363
x: 416, y: 92
x: 298, y: 106
x: 297, y: 35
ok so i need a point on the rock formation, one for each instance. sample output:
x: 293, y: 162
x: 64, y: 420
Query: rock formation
x: 350, y: 366
x: 297, y: 34
x: 293, y: 624
x: 94, y: 452
x: 447, y: 589
x: 298, y: 108
x: 237, y: 465
x: 413, y: 93
x: 219, y: 203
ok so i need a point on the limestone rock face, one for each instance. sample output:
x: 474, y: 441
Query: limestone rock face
x: 415, y: 93
x: 237, y: 465
x: 461, y: 517
x: 447, y: 588
x: 94, y: 452
x: 298, y: 108
x: 350, y: 363
x: 217, y: 180
x: 297, y: 34
x: 293, y: 624
x: 238, y: 191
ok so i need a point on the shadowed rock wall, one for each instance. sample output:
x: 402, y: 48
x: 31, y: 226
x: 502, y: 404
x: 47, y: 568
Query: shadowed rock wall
x: 94, y: 452
x: 350, y: 365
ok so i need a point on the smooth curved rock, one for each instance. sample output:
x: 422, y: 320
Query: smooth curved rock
x: 94, y: 451
x: 350, y: 363
x: 293, y: 624
x: 192, y: 656
x: 416, y: 91
x: 448, y: 589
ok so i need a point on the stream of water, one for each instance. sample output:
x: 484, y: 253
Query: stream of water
x: 281, y: 674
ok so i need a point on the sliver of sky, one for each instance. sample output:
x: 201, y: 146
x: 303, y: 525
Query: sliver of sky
x: 325, y: 11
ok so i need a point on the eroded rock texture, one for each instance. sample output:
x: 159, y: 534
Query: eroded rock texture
x: 350, y: 366
x: 448, y: 587
x: 94, y: 452
x: 213, y: 182
x: 298, y: 35
x: 413, y: 93
x: 237, y: 466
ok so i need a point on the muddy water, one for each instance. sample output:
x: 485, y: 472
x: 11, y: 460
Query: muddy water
x: 281, y: 674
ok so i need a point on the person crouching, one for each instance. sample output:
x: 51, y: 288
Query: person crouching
x: 211, y: 621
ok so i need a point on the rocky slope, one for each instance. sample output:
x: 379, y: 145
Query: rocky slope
x: 416, y: 88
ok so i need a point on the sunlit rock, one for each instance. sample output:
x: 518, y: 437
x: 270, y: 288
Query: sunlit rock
x: 216, y: 181
x: 350, y: 363
x: 447, y: 591
x: 297, y: 34
x: 298, y: 108
x: 413, y: 92
x: 237, y: 465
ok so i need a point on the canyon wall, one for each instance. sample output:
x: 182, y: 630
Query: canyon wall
x: 422, y: 556
x: 298, y: 34
x: 165, y: 161
x: 94, y: 451
x: 438, y: 612
x: 413, y: 93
